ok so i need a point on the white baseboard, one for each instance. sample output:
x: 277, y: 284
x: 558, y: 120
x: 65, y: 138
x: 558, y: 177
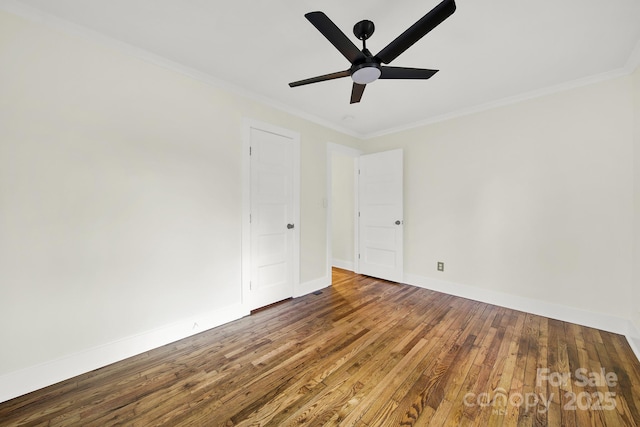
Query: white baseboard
x: 29, y: 379
x: 17, y: 383
x: 33, y: 378
x: 345, y: 265
x: 312, y: 286
x: 633, y: 336
x: 565, y: 313
x: 635, y: 345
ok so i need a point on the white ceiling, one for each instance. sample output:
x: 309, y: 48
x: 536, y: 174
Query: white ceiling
x: 487, y: 51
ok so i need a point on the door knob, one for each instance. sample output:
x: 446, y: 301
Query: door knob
x: 398, y: 222
x: 290, y: 226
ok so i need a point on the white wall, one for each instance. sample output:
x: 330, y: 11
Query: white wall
x: 636, y: 260
x: 342, y: 203
x: 120, y: 196
x: 532, y: 200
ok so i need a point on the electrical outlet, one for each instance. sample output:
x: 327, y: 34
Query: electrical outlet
x: 440, y: 266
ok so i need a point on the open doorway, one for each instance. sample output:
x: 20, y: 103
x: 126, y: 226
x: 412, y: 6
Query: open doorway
x: 365, y: 212
x: 342, y: 230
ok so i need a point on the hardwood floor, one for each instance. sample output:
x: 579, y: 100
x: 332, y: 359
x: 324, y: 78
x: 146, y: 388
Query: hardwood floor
x: 364, y: 352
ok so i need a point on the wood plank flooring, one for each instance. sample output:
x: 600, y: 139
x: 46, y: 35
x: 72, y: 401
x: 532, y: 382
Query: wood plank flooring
x: 364, y: 352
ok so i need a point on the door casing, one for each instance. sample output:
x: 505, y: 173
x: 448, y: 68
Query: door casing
x: 354, y: 154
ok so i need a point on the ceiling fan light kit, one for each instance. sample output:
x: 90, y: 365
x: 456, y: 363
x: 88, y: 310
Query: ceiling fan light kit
x: 367, y: 68
x: 365, y: 73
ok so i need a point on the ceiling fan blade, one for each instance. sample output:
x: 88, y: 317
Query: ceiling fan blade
x: 356, y: 92
x: 335, y: 36
x: 414, y: 33
x: 337, y: 75
x: 406, y: 73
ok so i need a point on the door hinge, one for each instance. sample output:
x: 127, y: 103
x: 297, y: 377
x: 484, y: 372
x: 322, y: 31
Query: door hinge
x: 358, y: 256
x: 249, y: 218
x: 250, y: 288
x: 249, y: 150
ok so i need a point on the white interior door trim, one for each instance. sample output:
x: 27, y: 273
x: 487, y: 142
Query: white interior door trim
x: 247, y: 125
x: 353, y: 153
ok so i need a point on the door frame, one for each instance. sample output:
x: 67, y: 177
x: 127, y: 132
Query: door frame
x: 354, y: 154
x: 247, y: 125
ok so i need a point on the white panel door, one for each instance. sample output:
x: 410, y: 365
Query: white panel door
x: 273, y: 228
x: 381, y: 215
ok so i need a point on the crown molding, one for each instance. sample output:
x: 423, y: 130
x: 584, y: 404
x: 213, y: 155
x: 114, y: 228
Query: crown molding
x: 506, y: 101
x: 36, y: 15
x: 67, y: 27
x: 633, y: 62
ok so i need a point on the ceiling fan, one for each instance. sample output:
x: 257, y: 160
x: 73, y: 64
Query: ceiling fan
x: 365, y: 67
